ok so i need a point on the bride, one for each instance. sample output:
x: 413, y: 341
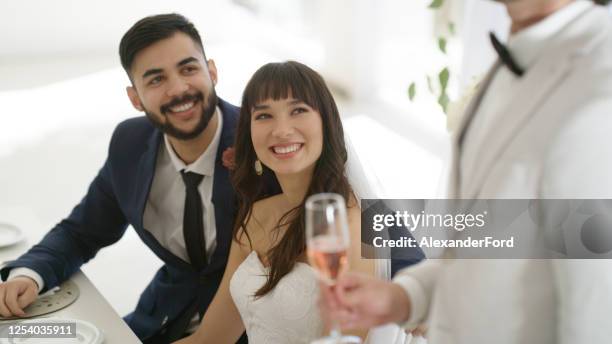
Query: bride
x: 289, y: 129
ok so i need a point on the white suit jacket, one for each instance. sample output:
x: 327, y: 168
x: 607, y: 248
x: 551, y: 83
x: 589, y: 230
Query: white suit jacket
x: 553, y: 141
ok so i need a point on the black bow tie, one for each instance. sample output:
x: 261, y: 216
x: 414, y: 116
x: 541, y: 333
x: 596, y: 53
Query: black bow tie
x: 505, y: 56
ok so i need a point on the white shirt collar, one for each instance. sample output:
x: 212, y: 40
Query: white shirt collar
x: 205, y: 164
x: 527, y: 44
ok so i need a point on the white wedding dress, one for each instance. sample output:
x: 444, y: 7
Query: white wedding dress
x: 287, y: 314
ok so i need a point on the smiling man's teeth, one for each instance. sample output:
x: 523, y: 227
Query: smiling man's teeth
x: 181, y: 108
x: 287, y: 149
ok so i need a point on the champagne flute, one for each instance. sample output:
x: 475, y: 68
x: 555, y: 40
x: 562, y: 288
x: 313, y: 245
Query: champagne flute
x: 327, y: 242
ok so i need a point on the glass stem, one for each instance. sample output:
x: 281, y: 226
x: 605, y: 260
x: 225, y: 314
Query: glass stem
x: 335, y: 331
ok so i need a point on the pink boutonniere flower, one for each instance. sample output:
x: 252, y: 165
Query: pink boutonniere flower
x: 228, y: 158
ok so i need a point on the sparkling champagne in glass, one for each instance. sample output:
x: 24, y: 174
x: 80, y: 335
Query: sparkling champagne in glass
x: 327, y: 243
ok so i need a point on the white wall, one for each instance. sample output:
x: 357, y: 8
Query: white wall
x: 61, y: 27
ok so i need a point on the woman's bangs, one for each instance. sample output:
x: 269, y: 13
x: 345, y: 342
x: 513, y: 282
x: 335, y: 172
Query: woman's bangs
x: 280, y: 82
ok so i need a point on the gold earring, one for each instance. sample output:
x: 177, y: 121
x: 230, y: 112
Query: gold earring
x: 258, y: 167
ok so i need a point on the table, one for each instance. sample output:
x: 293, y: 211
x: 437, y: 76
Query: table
x: 91, y: 305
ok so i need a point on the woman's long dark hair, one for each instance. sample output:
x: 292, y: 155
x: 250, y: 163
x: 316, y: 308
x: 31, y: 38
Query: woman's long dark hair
x: 277, y: 81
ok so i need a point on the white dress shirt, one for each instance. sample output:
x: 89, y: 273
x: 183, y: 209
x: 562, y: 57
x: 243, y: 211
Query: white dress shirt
x: 163, y: 214
x: 525, y: 47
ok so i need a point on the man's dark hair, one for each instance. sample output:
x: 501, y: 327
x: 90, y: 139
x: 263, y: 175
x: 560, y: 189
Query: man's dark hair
x: 152, y: 29
x: 601, y: 2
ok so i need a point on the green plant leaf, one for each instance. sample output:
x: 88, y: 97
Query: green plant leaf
x: 435, y: 4
x: 451, y: 28
x: 443, y: 100
x: 412, y: 91
x: 443, y: 77
x: 442, y: 44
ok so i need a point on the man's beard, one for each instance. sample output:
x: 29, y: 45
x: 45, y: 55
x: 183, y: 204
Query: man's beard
x: 207, y: 112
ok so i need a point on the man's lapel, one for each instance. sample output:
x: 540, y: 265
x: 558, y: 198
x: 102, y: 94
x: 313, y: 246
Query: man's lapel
x: 146, y: 171
x: 531, y: 92
x: 458, y: 135
x: 223, y: 196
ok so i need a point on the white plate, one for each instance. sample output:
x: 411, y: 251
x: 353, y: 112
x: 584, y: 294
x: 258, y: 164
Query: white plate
x: 9, y: 234
x: 86, y: 333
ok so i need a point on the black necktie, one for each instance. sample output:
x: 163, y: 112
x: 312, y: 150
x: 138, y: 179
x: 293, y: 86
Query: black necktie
x: 193, y: 221
x: 505, y: 56
x: 193, y: 231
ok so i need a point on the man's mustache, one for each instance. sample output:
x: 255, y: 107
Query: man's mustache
x: 180, y: 100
